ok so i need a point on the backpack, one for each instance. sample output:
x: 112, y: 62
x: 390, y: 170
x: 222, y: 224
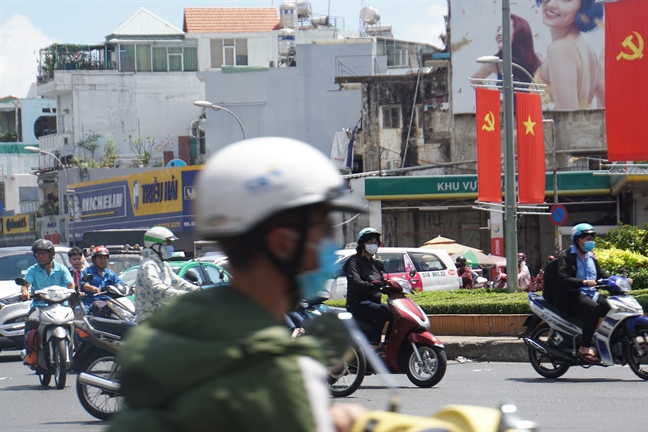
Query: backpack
x: 550, y: 281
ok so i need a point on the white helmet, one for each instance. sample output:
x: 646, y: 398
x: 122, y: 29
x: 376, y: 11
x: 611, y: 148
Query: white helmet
x: 158, y: 235
x: 249, y: 181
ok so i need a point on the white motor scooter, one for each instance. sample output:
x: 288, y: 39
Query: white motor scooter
x: 54, y: 341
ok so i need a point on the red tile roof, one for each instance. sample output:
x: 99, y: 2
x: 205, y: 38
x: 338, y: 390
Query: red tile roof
x: 229, y: 20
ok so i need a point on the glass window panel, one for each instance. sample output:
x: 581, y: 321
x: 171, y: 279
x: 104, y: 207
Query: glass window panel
x: 175, y: 62
x: 127, y: 58
x: 143, y: 58
x: 191, y: 59
x: 229, y: 55
x: 216, y: 46
x: 159, y: 59
x: 175, y: 50
x: 228, y: 42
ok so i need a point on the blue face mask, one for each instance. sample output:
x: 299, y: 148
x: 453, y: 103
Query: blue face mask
x: 312, y: 282
x: 589, y: 246
x: 166, y: 252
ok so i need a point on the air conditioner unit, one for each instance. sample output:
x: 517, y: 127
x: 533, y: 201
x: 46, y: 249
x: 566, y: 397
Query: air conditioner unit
x: 392, y: 164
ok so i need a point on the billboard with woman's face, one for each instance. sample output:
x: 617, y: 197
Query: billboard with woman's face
x: 559, y: 43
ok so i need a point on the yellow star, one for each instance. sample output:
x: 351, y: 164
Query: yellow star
x: 529, y: 126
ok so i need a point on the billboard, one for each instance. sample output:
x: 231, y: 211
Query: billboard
x: 162, y: 197
x: 558, y: 42
x: 18, y: 230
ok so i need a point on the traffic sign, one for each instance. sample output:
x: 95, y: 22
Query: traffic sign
x: 558, y: 214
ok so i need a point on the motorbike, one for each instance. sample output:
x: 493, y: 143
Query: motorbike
x: 336, y: 330
x: 412, y: 349
x: 621, y: 338
x: 97, y: 384
x: 13, y: 314
x: 54, y: 336
x: 118, y: 305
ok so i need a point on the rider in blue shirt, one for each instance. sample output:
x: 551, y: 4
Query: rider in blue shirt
x: 103, y: 276
x: 45, y: 273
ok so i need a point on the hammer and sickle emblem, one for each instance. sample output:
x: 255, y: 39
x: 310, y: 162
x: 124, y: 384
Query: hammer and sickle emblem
x: 637, y: 50
x: 489, y: 122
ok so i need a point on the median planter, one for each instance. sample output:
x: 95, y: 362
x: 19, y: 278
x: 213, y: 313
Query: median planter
x: 476, y: 325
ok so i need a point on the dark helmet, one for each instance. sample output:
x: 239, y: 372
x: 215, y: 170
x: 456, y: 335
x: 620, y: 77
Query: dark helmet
x: 366, y: 234
x: 461, y: 260
x: 521, y: 257
x: 42, y: 244
x: 580, y: 230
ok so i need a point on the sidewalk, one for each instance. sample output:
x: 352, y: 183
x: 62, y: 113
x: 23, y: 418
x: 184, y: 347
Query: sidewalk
x: 495, y: 348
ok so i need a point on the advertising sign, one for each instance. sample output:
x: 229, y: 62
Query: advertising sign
x: 18, y: 224
x: 548, y: 38
x: 163, y: 197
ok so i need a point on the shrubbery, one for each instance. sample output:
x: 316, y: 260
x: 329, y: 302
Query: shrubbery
x: 625, y: 252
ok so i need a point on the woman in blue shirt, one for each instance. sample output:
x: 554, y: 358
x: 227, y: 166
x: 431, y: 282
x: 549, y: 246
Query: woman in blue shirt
x: 103, y: 276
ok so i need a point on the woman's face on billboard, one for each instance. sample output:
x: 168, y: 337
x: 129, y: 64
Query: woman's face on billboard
x: 560, y: 13
x: 499, y: 38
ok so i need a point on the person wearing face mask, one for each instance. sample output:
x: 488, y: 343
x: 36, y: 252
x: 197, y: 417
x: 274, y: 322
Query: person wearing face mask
x: 578, y: 270
x: 221, y: 358
x: 156, y: 282
x: 364, y: 281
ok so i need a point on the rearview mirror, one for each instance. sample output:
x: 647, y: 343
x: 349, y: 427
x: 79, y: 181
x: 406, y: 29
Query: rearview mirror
x: 412, y: 273
x: 191, y: 276
x: 87, y: 278
x: 21, y: 282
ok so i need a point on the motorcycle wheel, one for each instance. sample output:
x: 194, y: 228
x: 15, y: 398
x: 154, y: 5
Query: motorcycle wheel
x: 101, y: 404
x: 346, y: 379
x: 638, y: 362
x: 434, y: 358
x: 60, y: 365
x: 45, y: 379
x: 542, y: 363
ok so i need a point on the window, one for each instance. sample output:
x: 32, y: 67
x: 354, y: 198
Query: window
x: 175, y: 59
x: 44, y: 125
x: 127, y: 58
x: 143, y: 58
x: 214, y: 275
x: 426, y: 261
x: 391, y: 117
x: 230, y: 52
x: 160, y: 59
x: 190, y: 59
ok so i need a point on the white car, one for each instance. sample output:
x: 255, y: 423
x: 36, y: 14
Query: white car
x: 426, y: 269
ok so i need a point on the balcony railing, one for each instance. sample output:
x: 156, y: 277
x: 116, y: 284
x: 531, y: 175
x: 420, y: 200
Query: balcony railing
x: 71, y: 57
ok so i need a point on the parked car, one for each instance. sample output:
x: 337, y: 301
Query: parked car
x: 14, y: 262
x: 207, y: 275
x: 426, y: 269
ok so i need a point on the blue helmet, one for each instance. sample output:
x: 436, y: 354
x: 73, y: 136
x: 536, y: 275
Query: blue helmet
x: 366, y: 232
x: 582, y: 229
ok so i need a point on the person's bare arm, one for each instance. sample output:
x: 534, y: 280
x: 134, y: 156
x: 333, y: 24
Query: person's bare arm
x: 485, y: 70
x: 562, y: 58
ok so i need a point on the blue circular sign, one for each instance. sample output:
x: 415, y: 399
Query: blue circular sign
x: 558, y: 214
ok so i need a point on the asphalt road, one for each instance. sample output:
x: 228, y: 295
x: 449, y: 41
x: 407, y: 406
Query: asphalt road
x: 597, y: 399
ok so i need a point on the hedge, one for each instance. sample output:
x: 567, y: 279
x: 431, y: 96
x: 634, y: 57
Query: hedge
x: 480, y: 301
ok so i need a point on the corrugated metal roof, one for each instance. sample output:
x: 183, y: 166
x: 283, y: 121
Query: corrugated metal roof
x: 230, y: 20
x: 144, y: 23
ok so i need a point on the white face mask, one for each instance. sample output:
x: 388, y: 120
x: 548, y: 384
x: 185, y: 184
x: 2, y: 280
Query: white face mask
x: 371, y: 248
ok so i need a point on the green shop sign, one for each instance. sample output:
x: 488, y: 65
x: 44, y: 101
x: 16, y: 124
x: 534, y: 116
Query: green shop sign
x: 465, y: 186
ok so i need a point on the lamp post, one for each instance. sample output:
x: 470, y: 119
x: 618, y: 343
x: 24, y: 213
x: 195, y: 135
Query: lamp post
x: 68, y: 192
x: 510, y: 196
x: 206, y: 104
x: 495, y: 59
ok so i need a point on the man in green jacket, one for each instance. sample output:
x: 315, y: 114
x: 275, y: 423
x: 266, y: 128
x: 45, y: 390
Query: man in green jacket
x: 221, y: 359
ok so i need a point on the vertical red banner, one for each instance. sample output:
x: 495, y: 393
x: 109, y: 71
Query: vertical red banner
x: 530, y: 147
x: 626, y: 79
x: 489, y: 151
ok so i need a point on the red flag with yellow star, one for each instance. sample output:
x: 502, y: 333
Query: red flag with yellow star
x: 626, y: 79
x: 489, y: 148
x: 530, y: 148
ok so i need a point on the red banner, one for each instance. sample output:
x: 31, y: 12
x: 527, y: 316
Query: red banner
x: 626, y: 79
x: 489, y: 150
x: 530, y: 147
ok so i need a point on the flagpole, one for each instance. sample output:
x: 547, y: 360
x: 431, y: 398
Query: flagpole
x: 510, y: 198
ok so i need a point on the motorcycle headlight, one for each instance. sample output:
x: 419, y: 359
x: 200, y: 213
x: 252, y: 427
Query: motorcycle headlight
x: 55, y: 294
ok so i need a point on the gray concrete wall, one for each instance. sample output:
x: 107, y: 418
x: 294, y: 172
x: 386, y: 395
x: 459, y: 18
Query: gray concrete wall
x: 301, y: 102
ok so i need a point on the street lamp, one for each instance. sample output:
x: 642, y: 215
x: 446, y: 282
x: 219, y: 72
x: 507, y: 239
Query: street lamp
x: 68, y: 192
x: 206, y: 104
x: 495, y: 59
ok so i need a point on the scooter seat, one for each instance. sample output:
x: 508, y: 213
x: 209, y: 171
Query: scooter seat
x: 574, y: 319
x: 365, y: 326
x: 116, y: 327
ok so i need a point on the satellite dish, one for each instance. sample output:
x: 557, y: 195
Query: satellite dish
x: 195, y: 128
x: 176, y: 163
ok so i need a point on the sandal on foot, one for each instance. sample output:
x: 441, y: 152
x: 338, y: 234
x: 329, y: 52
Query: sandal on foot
x: 588, y: 358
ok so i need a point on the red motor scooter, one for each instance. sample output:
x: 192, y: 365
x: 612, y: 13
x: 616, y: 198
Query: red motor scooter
x: 412, y: 349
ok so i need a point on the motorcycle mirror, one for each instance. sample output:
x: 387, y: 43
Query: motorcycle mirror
x: 87, y: 278
x: 191, y: 276
x: 21, y: 282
